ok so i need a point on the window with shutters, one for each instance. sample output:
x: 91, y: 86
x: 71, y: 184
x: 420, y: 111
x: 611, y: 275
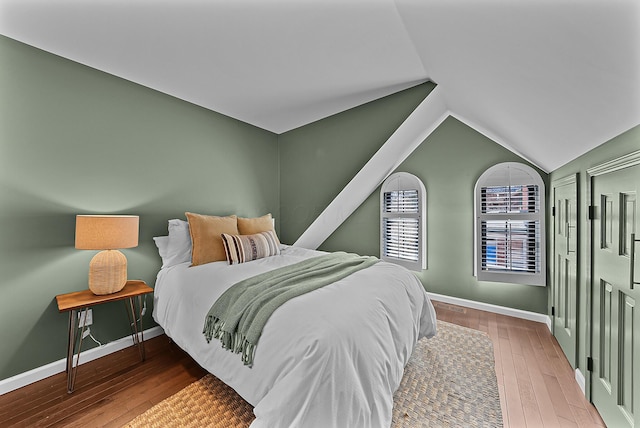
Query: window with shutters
x: 403, y: 221
x: 510, y: 229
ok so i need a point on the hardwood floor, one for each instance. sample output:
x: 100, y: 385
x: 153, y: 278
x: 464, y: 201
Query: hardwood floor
x: 536, y: 383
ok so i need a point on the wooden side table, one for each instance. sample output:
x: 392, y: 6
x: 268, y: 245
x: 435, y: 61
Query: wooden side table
x: 82, y: 301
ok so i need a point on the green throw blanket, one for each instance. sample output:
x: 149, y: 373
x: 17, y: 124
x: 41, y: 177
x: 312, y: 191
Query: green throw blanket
x: 240, y: 313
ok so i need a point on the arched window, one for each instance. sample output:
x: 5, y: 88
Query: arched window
x: 510, y: 229
x: 403, y: 201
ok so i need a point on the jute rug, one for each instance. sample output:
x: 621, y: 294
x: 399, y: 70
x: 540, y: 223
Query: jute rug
x: 450, y: 381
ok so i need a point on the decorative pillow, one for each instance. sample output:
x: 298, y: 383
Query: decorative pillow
x: 205, y: 233
x: 249, y: 226
x: 175, y: 248
x: 244, y: 248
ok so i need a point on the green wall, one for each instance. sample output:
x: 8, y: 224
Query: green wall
x: 621, y: 145
x: 75, y: 140
x: 318, y: 160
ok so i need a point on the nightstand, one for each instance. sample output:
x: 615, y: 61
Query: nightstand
x: 82, y: 301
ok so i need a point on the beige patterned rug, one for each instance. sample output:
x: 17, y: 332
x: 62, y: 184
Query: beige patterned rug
x: 450, y: 381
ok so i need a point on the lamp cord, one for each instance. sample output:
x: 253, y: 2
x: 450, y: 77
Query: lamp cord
x: 88, y: 333
x: 144, y: 309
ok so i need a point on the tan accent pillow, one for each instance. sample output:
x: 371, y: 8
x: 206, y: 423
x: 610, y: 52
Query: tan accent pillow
x: 250, y: 226
x: 206, y: 240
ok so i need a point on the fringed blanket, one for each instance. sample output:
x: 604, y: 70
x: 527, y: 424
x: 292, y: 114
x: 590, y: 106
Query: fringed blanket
x: 240, y: 313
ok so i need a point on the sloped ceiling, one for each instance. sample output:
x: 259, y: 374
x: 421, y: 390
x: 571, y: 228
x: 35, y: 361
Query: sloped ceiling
x: 549, y: 80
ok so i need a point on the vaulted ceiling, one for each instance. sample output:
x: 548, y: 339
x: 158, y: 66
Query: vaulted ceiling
x: 547, y: 79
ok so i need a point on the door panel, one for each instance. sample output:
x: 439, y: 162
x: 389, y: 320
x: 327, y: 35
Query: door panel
x: 628, y: 204
x: 565, y: 297
x: 615, y: 320
x: 627, y: 363
x: 606, y: 320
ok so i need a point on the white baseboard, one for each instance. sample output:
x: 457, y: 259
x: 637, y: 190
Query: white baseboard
x: 39, y: 373
x: 581, y: 381
x: 488, y: 307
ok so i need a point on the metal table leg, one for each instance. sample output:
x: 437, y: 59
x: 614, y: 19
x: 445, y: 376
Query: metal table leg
x: 136, y: 325
x: 72, y: 368
x: 70, y: 349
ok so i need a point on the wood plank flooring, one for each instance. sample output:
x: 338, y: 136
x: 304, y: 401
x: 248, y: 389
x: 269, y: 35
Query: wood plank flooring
x: 536, y: 382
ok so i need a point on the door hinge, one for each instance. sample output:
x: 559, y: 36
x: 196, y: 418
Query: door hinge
x: 553, y: 211
x: 592, y: 212
x: 553, y: 311
x: 589, y: 364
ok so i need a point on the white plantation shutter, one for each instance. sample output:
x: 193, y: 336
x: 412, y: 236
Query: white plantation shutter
x: 402, y: 232
x: 510, y: 225
x: 402, y: 221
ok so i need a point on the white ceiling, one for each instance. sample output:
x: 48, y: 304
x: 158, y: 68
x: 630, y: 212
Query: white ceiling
x: 549, y: 79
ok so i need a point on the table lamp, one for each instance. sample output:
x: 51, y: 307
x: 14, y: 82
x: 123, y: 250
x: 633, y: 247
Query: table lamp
x: 108, y: 268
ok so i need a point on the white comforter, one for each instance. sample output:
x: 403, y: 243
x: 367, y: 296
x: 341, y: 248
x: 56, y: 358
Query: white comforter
x: 330, y: 358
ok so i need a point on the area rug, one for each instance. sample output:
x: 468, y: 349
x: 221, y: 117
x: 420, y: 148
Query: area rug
x: 450, y: 381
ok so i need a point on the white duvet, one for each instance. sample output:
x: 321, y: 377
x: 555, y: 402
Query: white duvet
x: 329, y: 358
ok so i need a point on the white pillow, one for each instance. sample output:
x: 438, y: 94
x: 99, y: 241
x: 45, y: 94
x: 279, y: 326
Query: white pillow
x: 175, y: 248
x: 162, y: 242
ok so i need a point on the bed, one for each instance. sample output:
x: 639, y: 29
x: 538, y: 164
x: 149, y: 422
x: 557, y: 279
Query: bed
x: 330, y: 358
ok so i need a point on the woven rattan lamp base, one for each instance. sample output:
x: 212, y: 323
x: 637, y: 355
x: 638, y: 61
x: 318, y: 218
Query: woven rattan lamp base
x: 107, y: 272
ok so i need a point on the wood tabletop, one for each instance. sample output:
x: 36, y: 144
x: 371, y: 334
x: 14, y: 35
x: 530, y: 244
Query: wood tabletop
x: 85, y: 298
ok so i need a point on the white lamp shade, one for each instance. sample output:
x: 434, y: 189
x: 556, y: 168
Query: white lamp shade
x: 106, y: 232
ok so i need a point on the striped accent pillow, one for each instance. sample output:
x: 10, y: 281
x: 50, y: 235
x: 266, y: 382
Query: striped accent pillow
x: 244, y: 248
